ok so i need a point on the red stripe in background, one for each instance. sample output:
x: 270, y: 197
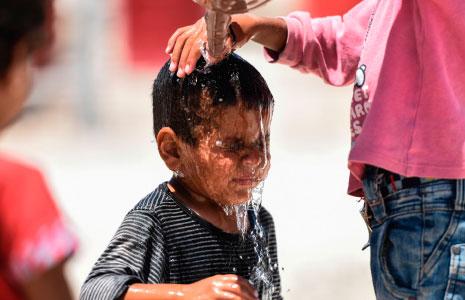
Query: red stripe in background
x: 150, y: 23
x: 321, y: 8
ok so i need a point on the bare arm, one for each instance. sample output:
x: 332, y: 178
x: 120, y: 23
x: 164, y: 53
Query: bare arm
x: 219, y: 287
x: 49, y: 285
x: 267, y: 31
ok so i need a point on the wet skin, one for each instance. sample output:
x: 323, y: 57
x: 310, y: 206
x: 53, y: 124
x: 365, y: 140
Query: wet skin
x: 231, y: 157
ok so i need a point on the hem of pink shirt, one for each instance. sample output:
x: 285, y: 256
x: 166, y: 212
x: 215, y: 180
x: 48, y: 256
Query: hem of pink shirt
x: 357, y: 163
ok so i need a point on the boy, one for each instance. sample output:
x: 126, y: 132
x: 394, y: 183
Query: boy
x: 212, y: 130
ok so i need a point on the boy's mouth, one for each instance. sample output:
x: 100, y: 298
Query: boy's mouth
x: 246, y: 181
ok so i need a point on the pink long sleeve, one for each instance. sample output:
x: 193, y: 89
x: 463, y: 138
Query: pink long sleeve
x: 328, y: 47
x: 407, y: 56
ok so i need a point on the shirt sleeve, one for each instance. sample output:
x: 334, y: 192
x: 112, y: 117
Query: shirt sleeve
x: 135, y: 253
x: 329, y: 47
x: 33, y: 235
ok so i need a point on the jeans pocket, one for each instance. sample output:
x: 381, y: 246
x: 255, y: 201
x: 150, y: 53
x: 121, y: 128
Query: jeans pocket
x: 394, y: 262
x: 438, y: 230
x: 405, y: 245
x: 456, y: 281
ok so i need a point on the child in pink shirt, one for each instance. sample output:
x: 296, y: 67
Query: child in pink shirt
x: 405, y: 59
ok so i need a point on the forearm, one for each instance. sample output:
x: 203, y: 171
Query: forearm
x: 268, y: 31
x: 51, y: 284
x: 140, y: 291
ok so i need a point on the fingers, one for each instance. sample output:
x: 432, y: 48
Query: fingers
x: 191, y: 51
x: 233, y: 285
x: 173, y: 38
x: 189, y: 56
x: 227, y: 296
x: 241, y: 292
x: 178, y: 48
x: 184, y: 47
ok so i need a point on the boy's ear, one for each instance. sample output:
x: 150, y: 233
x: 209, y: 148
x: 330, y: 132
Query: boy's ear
x: 168, y: 148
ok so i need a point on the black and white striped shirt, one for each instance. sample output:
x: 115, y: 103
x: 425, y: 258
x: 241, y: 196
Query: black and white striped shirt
x: 162, y: 241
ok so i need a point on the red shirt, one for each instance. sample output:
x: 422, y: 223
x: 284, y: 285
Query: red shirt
x: 33, y: 237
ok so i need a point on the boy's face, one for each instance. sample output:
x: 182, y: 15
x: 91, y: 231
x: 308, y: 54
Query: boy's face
x: 231, y: 157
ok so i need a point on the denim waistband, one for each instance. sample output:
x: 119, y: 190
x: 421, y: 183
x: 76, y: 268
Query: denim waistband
x: 387, y: 194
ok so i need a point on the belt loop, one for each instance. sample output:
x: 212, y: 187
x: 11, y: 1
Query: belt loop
x: 372, y: 182
x: 460, y: 195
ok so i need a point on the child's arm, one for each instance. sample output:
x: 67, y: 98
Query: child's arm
x: 138, y: 243
x: 217, y: 287
x: 329, y: 47
x: 184, y: 44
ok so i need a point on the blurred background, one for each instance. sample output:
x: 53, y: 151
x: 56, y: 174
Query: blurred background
x: 88, y: 127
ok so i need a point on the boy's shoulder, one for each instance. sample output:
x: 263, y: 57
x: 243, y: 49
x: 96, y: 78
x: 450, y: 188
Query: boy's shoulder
x: 265, y: 217
x: 158, y: 199
x: 265, y: 214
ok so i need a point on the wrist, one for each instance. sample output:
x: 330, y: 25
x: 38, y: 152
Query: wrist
x: 244, y: 26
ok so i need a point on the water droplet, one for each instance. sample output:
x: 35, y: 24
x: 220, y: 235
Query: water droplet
x: 262, y: 273
x: 194, y: 81
x: 234, y: 269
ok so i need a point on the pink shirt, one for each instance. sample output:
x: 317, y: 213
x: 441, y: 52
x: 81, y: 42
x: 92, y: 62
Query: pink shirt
x: 408, y: 61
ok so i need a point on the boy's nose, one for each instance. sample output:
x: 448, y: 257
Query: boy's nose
x: 254, y: 158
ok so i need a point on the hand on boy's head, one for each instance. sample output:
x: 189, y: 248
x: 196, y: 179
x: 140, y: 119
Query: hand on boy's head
x: 221, y: 287
x: 185, y: 47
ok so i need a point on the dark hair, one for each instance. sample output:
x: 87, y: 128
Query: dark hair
x: 19, y: 20
x: 184, y: 103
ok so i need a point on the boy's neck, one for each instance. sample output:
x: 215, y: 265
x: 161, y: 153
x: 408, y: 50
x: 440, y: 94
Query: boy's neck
x: 206, y: 208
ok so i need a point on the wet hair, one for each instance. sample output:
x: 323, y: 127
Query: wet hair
x: 20, y: 20
x: 185, y: 103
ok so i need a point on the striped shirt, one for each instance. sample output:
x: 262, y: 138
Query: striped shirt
x: 163, y: 241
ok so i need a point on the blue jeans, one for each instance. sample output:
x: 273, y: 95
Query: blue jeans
x: 418, y: 237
